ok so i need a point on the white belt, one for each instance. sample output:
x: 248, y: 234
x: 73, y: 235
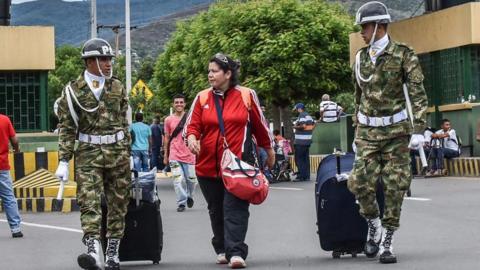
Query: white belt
x: 101, y: 139
x: 381, y: 121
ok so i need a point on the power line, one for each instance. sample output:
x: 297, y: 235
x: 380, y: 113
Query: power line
x: 422, y: 2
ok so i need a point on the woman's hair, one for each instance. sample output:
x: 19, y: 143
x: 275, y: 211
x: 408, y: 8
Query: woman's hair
x: 226, y: 63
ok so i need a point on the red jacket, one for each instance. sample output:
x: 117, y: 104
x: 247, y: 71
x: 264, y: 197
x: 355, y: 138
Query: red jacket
x: 202, y: 121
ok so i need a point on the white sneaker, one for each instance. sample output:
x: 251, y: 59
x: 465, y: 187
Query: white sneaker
x: 221, y: 259
x: 237, y: 262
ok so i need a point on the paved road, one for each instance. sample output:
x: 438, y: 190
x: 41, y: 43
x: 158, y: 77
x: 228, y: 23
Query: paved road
x: 440, y: 233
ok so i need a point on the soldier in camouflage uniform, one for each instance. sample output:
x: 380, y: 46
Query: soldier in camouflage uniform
x: 382, y: 128
x: 93, y: 110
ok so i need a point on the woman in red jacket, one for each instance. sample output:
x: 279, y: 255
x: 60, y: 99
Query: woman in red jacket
x: 242, y: 119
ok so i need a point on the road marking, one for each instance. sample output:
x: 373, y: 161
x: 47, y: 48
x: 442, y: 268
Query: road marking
x: 286, y: 188
x: 47, y: 226
x: 417, y: 199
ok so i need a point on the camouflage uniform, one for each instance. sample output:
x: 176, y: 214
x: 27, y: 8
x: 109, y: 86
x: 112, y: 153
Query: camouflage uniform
x: 99, y: 169
x: 383, y: 151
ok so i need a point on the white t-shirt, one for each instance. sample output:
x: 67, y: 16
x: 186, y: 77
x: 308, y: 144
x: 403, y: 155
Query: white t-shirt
x: 449, y: 142
x: 428, y: 136
x: 99, y: 82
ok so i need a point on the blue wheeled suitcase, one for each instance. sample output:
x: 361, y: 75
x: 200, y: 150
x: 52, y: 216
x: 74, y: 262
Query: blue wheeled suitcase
x: 341, y: 228
x: 143, y: 235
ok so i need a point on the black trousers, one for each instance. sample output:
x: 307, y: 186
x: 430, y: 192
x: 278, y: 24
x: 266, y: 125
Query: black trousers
x: 228, y: 217
x: 302, y: 159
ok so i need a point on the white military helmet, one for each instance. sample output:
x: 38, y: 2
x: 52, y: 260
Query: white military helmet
x: 372, y: 11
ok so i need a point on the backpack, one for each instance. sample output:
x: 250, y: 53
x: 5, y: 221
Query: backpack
x: 203, y: 96
x: 249, y: 154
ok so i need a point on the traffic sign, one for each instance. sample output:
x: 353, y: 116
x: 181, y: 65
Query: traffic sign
x: 141, y: 87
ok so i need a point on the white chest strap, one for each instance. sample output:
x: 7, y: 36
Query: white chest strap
x: 69, y: 94
x: 358, y: 74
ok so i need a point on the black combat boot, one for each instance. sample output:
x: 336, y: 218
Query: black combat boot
x: 112, y: 262
x: 373, y: 238
x: 91, y: 259
x: 386, y: 252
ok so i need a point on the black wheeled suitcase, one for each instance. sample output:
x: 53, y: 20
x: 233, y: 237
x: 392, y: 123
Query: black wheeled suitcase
x: 341, y: 228
x: 143, y: 235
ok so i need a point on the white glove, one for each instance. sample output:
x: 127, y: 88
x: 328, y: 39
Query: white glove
x: 342, y: 177
x: 62, y: 171
x: 416, y: 141
x: 131, y: 163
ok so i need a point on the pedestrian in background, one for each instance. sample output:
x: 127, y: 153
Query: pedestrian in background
x: 141, y: 145
x: 9, y: 202
x: 228, y: 214
x: 329, y: 110
x: 94, y: 108
x: 303, y: 126
x: 156, y: 158
x: 177, y: 155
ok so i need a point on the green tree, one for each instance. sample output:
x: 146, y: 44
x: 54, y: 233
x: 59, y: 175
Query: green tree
x: 347, y: 101
x: 290, y: 50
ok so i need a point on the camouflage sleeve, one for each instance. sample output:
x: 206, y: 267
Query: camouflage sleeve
x: 414, y: 81
x: 67, y: 132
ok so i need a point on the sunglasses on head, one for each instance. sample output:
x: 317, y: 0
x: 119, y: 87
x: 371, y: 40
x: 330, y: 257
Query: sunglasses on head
x: 221, y: 57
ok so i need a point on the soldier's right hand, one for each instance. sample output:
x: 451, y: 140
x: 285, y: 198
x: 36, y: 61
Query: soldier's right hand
x: 416, y: 141
x: 62, y: 171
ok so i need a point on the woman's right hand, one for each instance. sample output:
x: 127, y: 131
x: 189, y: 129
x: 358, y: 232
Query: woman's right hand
x: 193, y: 144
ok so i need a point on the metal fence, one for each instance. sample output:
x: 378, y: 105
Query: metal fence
x: 23, y: 97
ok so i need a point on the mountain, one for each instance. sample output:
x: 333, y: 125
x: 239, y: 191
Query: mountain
x: 72, y: 19
x: 398, y: 9
x: 155, y: 19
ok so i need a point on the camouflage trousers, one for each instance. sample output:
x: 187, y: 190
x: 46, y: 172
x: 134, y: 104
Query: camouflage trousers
x: 390, y: 161
x: 114, y: 183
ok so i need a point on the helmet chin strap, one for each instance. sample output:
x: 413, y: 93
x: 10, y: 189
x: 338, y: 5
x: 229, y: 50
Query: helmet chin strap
x: 372, y: 40
x: 101, y: 72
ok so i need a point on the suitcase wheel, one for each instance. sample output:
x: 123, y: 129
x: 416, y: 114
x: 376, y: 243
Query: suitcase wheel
x: 156, y: 262
x: 336, y: 254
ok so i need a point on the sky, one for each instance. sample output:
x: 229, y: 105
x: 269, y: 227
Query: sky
x: 22, y: 1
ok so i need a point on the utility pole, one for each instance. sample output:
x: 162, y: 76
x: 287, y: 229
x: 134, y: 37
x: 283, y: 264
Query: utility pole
x: 128, y: 55
x: 93, y: 19
x: 116, y: 29
x: 128, y: 73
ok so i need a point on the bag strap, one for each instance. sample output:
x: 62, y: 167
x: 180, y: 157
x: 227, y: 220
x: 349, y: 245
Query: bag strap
x: 220, y: 118
x: 179, y: 127
x: 177, y: 130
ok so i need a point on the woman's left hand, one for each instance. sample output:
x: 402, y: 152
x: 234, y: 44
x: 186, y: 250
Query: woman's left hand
x: 270, y: 158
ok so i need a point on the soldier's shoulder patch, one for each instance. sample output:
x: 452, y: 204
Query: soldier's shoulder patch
x: 363, y: 49
x: 405, y: 46
x: 73, y: 84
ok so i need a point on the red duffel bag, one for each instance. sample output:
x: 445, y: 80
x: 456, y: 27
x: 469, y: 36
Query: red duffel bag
x: 243, y: 180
